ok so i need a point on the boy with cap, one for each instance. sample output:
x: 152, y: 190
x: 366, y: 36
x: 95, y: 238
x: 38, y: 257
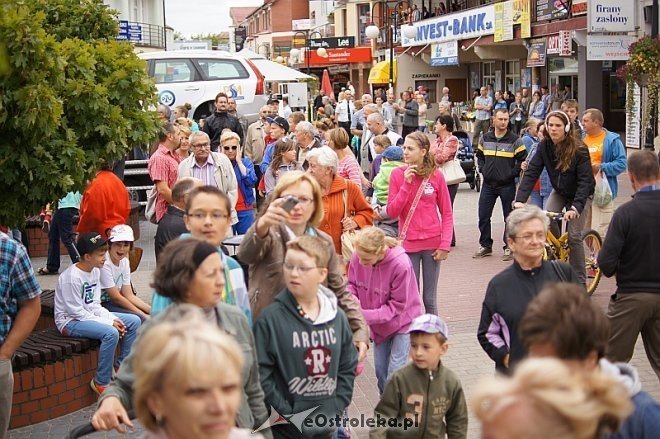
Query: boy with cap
x: 392, y: 158
x: 424, y: 398
x: 78, y: 310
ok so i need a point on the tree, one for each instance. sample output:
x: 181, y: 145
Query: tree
x: 71, y: 98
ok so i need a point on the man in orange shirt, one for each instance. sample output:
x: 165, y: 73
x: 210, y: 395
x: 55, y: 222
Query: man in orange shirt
x: 105, y: 203
x: 608, y: 156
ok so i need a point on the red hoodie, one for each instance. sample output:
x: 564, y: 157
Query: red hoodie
x: 105, y: 204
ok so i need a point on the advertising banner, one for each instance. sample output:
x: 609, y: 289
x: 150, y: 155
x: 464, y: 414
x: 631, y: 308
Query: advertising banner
x: 611, y: 16
x: 536, y: 53
x: 609, y: 47
x: 458, y: 26
x: 444, y: 54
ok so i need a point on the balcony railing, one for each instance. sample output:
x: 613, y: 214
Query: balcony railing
x: 142, y: 34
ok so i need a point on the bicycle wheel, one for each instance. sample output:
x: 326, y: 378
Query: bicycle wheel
x: 592, y: 243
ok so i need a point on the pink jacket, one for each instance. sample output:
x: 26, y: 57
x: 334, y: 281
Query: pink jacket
x: 428, y: 230
x: 387, y: 293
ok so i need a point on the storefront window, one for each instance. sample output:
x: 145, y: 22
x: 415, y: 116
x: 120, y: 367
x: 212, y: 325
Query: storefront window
x: 364, y: 17
x: 431, y: 88
x: 512, y: 76
x: 488, y: 74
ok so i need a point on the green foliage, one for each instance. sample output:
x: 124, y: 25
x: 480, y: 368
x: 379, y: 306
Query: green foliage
x: 73, y: 98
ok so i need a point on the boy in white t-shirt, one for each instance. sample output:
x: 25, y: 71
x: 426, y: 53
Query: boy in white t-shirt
x: 117, y: 292
x: 78, y: 310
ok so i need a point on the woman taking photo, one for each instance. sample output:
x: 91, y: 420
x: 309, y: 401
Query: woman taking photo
x: 417, y: 193
x: 188, y: 381
x: 569, y: 168
x: 444, y: 150
x: 344, y: 205
x: 382, y: 278
x: 189, y: 272
x: 284, y: 160
x: 279, y: 222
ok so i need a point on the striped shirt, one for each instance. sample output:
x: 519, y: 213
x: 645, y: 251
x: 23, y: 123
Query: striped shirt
x: 350, y: 169
x: 205, y: 172
x: 163, y: 166
x: 17, y: 282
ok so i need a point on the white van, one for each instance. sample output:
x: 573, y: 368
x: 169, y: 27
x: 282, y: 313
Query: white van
x: 197, y: 76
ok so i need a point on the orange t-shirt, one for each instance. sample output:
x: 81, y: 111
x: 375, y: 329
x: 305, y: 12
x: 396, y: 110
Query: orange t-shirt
x: 595, y: 145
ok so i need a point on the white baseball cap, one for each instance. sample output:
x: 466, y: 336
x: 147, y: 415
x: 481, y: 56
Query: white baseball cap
x: 121, y: 233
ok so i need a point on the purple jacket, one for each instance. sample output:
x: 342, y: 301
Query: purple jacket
x: 387, y: 292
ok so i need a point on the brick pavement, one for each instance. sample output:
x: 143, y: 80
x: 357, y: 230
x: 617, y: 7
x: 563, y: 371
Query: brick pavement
x: 462, y: 285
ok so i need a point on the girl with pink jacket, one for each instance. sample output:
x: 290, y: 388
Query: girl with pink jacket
x: 419, y: 198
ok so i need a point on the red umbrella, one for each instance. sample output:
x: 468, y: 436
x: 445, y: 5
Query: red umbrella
x: 326, y: 86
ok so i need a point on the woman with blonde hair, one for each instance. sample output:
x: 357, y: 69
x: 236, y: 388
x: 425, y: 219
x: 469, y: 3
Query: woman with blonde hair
x: 421, y: 112
x: 323, y: 126
x: 418, y: 192
x: 381, y: 277
x: 184, y: 148
x: 569, y: 168
x: 546, y: 400
x: 348, y: 168
x: 295, y: 208
x: 188, y: 380
x: 284, y: 160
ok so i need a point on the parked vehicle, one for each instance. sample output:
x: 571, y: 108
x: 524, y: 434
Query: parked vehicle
x: 197, y: 76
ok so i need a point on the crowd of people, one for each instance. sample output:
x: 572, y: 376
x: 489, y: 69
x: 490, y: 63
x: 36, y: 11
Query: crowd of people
x: 344, y: 225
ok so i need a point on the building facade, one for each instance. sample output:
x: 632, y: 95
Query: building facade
x: 142, y: 22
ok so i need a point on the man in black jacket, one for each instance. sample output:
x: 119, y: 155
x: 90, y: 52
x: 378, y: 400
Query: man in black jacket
x: 171, y: 226
x: 221, y: 119
x: 500, y: 154
x: 510, y: 291
x: 631, y: 251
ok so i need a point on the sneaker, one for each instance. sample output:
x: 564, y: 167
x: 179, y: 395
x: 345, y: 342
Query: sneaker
x: 483, y: 251
x: 507, y: 256
x: 97, y: 388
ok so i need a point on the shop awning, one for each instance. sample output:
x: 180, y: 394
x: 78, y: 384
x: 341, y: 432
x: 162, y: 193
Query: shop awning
x: 277, y: 72
x: 380, y: 73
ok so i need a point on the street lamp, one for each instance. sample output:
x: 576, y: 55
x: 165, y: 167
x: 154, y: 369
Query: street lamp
x: 267, y: 46
x: 295, y: 53
x: 391, y: 18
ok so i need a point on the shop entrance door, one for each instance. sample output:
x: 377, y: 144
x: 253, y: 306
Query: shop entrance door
x: 457, y: 89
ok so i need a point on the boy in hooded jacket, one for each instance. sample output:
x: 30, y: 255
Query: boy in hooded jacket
x: 304, y: 343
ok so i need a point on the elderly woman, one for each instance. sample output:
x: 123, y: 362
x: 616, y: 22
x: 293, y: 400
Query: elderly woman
x: 545, y: 399
x: 184, y: 149
x: 190, y: 272
x: 188, y: 380
x: 510, y: 291
x: 264, y: 246
x: 343, y: 202
x: 444, y: 109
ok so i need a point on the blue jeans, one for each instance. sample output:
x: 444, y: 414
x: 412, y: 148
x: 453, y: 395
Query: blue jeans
x: 114, y: 308
x: 109, y: 337
x: 61, y: 227
x: 538, y: 199
x: 487, y: 198
x: 245, y: 220
x: 390, y: 356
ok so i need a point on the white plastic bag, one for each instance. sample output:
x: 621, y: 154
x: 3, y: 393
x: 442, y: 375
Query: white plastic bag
x: 603, y: 193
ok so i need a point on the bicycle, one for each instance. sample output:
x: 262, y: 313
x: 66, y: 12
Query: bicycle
x: 556, y: 248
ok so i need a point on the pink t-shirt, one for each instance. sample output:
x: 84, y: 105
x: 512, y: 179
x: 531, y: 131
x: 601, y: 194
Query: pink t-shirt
x: 163, y: 166
x: 349, y: 168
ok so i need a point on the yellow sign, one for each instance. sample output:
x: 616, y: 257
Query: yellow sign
x: 522, y: 16
x: 499, y: 22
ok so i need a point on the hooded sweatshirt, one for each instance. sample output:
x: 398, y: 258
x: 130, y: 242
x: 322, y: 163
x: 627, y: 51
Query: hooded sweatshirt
x: 387, y: 292
x: 305, y: 365
x: 434, y: 397
x: 644, y: 421
x: 381, y: 183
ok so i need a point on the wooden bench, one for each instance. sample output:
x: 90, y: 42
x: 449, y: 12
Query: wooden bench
x: 51, y: 372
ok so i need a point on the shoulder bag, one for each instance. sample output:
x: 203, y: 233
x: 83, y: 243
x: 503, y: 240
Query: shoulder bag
x: 453, y: 171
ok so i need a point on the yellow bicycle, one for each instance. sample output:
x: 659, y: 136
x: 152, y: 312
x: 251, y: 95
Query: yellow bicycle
x: 557, y: 249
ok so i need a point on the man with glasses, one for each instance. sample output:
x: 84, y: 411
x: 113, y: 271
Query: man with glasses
x: 246, y: 178
x: 219, y: 120
x: 162, y: 168
x: 212, y: 168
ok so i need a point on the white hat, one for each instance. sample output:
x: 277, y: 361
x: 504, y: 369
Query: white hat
x: 121, y: 233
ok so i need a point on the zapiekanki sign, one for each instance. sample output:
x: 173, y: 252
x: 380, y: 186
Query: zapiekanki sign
x: 458, y: 26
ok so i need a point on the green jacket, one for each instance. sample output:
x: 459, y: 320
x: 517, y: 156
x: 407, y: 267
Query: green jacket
x: 381, y: 183
x: 433, y: 403
x: 306, y: 365
x: 252, y: 411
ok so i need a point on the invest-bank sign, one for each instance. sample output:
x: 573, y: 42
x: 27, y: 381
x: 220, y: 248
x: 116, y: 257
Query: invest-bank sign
x: 458, y: 26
